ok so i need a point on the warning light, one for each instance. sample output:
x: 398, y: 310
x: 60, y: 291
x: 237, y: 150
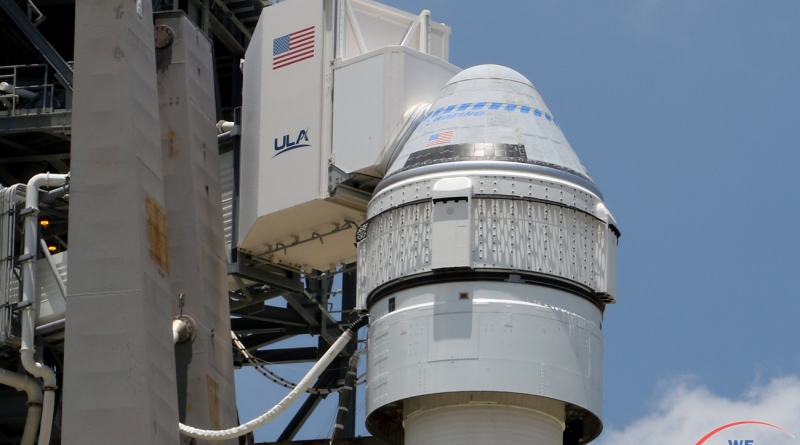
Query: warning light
x: 44, y: 221
x: 52, y: 248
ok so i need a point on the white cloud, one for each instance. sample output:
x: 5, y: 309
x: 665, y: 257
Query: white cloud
x: 685, y: 413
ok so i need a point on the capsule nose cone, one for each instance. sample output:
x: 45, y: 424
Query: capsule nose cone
x: 490, y: 72
x: 489, y: 113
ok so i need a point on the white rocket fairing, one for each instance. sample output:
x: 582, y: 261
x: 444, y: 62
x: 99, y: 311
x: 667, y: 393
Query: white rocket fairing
x: 486, y: 263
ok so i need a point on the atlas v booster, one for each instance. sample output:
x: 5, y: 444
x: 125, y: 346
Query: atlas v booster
x: 486, y: 263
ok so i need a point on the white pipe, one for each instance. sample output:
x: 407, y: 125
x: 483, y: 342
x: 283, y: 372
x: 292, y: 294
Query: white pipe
x: 287, y: 401
x: 21, y: 92
x: 28, y: 302
x: 409, y: 33
x: 351, y: 15
x: 182, y: 329
x: 29, y: 385
x: 53, y: 268
x: 224, y: 126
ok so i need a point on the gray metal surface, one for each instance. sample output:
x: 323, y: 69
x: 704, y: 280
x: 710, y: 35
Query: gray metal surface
x: 507, y: 234
x: 495, y: 179
x: 197, y: 257
x: 119, y: 373
x: 504, y: 337
x: 58, y: 122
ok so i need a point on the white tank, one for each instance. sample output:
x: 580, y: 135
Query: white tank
x: 486, y: 262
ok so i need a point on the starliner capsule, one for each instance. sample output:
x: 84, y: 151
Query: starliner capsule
x: 486, y: 263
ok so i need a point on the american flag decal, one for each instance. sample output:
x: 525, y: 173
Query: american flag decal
x: 293, y: 48
x: 440, y: 138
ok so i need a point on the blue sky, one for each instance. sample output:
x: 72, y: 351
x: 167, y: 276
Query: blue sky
x: 685, y: 114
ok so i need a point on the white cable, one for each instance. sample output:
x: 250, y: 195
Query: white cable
x: 287, y: 401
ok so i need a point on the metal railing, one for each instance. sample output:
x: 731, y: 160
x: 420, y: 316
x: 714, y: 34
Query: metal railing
x: 11, y: 102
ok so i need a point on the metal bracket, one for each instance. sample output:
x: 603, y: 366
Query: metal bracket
x: 29, y: 210
x: 26, y: 257
x: 21, y: 305
x: 336, y: 176
x: 314, y: 236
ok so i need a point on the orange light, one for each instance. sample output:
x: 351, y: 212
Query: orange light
x: 44, y: 221
x: 52, y: 247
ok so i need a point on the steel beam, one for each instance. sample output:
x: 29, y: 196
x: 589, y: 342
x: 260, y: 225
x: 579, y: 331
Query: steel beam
x: 272, y: 314
x: 348, y: 316
x: 59, y: 165
x: 326, y: 380
x: 225, y: 37
x: 243, y: 326
x: 13, y: 144
x: 296, y: 302
x: 271, y: 279
x: 233, y: 19
x: 35, y: 158
x: 258, y: 298
x: 59, y: 121
x: 255, y: 341
x: 285, y: 356
x: 6, y: 177
x: 62, y: 71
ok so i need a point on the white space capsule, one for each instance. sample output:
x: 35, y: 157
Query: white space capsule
x: 486, y: 264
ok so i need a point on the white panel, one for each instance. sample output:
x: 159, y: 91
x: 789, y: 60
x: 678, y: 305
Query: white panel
x: 451, y: 231
x: 358, y: 109
x: 251, y: 132
x: 505, y: 337
x: 292, y: 112
x: 451, y: 240
x: 286, y: 140
x: 371, y: 93
x: 381, y: 25
x: 487, y: 423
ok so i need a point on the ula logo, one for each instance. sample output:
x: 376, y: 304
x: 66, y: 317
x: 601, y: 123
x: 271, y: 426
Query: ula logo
x: 287, y: 144
x: 743, y: 441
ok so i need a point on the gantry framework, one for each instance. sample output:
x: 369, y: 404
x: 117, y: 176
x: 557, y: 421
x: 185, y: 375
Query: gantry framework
x: 35, y: 136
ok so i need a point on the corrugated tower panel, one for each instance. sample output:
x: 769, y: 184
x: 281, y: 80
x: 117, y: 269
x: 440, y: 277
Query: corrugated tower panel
x: 197, y: 256
x: 119, y: 377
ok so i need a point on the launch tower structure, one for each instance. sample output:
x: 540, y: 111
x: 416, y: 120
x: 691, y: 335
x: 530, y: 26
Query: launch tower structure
x: 202, y: 160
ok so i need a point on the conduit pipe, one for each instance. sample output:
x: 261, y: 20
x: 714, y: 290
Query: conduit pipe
x: 182, y: 329
x: 29, y: 385
x: 21, y: 92
x: 287, y: 401
x: 345, y: 397
x: 28, y: 302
